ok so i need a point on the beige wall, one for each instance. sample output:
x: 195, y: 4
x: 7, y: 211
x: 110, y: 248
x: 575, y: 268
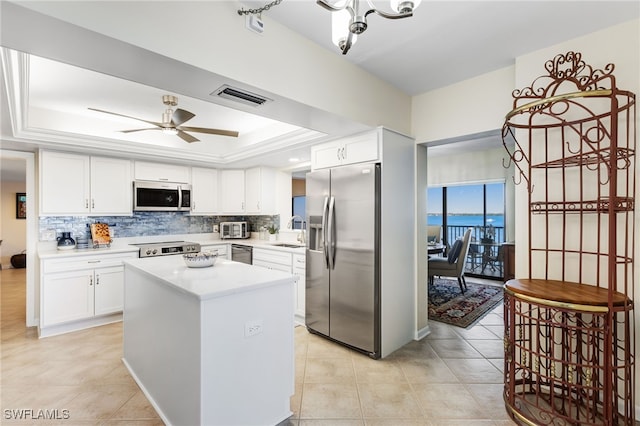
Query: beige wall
x: 13, y: 232
x: 472, y: 106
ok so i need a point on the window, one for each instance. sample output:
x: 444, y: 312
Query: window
x: 298, y: 207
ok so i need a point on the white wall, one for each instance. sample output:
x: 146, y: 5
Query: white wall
x: 212, y: 36
x: 472, y: 106
x: 13, y: 232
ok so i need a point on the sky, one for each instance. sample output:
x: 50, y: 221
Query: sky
x: 467, y: 199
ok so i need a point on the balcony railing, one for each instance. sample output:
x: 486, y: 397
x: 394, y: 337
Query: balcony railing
x: 483, y: 259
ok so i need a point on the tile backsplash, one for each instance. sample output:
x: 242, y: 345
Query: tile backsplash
x: 148, y: 223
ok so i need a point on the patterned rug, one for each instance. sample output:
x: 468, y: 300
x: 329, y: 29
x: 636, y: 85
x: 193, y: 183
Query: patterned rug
x: 448, y: 305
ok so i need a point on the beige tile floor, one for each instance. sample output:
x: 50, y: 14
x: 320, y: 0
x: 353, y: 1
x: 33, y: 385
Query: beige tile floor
x: 452, y: 377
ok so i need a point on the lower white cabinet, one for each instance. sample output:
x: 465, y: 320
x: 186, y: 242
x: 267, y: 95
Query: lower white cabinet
x: 287, y: 262
x: 81, y: 288
x: 299, y: 271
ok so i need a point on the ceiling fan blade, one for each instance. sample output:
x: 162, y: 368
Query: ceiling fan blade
x: 139, y: 130
x: 181, y: 116
x: 126, y: 116
x: 187, y: 137
x: 210, y: 131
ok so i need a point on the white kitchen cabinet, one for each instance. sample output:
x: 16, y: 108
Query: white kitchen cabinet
x: 354, y: 149
x: 78, y: 288
x: 293, y: 263
x: 204, y: 191
x: 79, y: 184
x: 260, y: 191
x: 223, y: 249
x: 299, y: 272
x: 232, y: 187
x: 272, y: 259
x: 111, y: 186
x: 64, y: 183
x: 161, y: 172
x: 67, y: 297
x: 109, y: 290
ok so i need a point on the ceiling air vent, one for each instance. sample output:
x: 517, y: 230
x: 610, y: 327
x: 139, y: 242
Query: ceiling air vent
x: 239, y: 95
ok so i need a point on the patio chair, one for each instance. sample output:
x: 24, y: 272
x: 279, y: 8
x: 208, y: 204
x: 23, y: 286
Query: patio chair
x: 453, y: 265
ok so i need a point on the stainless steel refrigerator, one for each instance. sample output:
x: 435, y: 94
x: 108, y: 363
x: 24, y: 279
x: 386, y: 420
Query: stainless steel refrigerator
x: 343, y: 255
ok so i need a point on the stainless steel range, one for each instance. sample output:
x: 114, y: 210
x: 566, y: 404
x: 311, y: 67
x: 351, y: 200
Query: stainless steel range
x: 167, y: 248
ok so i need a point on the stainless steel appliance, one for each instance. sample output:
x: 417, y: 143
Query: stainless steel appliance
x: 242, y: 253
x: 229, y: 230
x: 343, y: 256
x: 167, y: 248
x: 161, y: 196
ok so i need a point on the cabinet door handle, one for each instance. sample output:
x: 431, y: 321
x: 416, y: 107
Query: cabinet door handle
x: 86, y: 203
x: 93, y: 261
x: 90, y: 280
x: 258, y: 205
x: 97, y: 279
x: 93, y: 203
x: 338, y: 153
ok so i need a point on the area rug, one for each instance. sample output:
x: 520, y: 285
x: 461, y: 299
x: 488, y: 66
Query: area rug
x: 448, y: 305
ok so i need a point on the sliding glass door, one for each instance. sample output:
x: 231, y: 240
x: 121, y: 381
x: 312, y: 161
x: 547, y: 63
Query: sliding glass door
x: 480, y: 207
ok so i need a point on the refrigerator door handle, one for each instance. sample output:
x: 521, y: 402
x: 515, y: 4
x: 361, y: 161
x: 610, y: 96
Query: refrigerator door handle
x: 325, y: 246
x: 332, y: 233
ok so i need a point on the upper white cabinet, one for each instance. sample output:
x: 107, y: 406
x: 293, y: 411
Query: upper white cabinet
x: 80, y: 184
x: 260, y: 191
x: 161, y: 172
x: 353, y: 149
x: 111, y: 186
x: 231, y: 191
x: 204, y: 191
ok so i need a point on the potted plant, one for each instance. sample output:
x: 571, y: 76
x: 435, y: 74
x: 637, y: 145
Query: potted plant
x: 273, y: 231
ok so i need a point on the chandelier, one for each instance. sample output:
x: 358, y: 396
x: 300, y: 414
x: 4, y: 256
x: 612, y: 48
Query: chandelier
x: 350, y: 18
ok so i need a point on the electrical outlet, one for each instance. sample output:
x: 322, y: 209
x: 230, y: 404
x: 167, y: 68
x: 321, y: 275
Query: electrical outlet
x: 216, y: 228
x: 48, y: 235
x: 251, y: 328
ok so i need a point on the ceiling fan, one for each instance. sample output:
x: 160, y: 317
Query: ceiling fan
x: 172, y: 122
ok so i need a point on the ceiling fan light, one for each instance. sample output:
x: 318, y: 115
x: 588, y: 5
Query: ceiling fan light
x: 404, y: 6
x: 169, y: 131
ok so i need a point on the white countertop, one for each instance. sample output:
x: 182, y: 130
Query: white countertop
x: 123, y: 245
x: 224, y: 278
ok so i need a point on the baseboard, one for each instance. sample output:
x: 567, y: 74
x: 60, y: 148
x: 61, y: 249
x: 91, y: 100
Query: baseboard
x: 422, y: 333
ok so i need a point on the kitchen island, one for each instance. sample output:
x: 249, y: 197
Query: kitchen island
x: 210, y: 346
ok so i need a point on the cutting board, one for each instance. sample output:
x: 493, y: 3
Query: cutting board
x: 100, y: 233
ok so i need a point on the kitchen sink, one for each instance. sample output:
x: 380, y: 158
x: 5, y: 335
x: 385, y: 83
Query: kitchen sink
x: 287, y: 245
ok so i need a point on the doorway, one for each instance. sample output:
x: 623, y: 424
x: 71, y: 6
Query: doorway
x: 19, y: 234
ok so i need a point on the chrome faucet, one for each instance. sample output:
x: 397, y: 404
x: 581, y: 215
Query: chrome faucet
x: 302, y: 237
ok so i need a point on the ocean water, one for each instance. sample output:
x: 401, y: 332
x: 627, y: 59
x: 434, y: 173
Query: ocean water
x: 497, y: 220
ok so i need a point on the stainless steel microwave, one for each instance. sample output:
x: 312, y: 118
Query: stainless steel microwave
x: 161, y: 196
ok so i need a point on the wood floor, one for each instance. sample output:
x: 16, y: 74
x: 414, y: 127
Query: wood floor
x: 452, y: 377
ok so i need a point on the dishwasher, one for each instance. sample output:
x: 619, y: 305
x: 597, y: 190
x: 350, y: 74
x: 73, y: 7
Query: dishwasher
x: 242, y: 253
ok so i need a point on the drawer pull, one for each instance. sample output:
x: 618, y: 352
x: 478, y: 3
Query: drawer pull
x: 94, y: 261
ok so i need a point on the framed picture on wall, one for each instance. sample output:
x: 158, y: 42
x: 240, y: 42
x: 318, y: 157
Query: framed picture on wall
x: 21, y: 205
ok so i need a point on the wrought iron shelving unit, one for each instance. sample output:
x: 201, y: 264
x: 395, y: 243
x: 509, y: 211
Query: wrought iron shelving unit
x: 569, y: 327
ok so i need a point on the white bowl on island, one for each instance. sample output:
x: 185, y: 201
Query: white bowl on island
x: 201, y: 259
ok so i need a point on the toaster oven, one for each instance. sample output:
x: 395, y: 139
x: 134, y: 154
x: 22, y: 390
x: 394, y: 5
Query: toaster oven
x: 230, y: 230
